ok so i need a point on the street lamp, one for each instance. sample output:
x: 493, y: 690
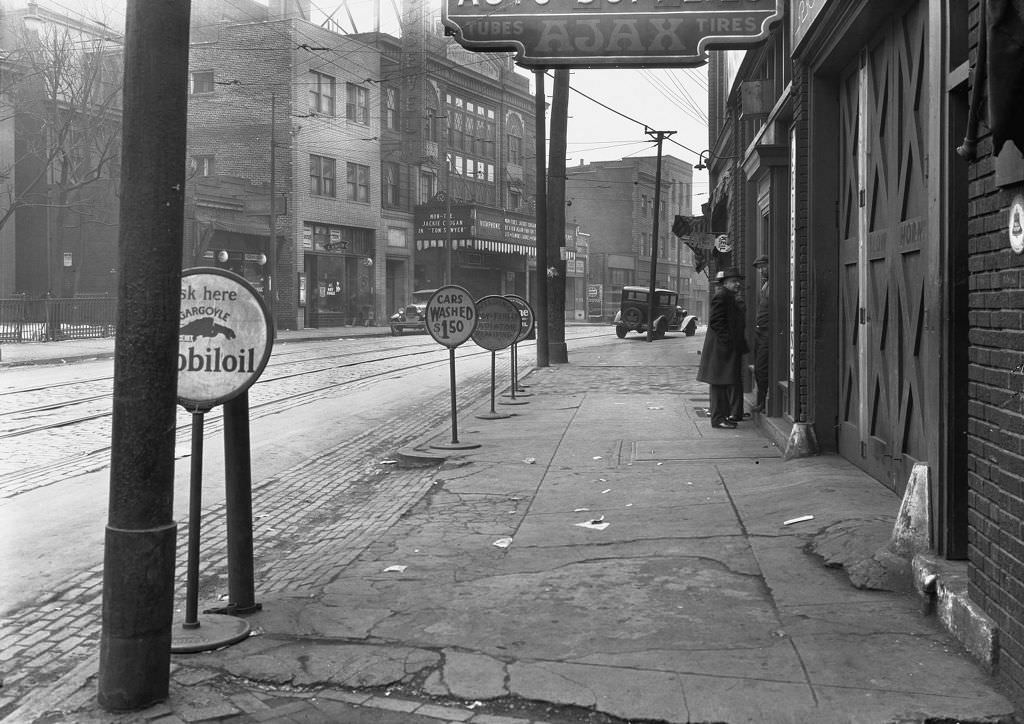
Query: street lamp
x: 702, y: 160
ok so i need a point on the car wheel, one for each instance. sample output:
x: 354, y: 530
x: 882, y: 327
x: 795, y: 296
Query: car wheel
x: 620, y: 331
x: 396, y: 331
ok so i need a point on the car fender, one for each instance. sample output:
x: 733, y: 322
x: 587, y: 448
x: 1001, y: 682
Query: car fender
x: 618, y: 317
x: 689, y: 324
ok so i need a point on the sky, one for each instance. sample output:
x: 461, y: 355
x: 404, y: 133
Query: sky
x: 610, y: 110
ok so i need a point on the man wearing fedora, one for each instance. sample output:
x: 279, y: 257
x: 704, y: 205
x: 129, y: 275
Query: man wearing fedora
x: 721, y: 359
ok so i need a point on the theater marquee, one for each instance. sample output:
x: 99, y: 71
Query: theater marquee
x: 609, y: 33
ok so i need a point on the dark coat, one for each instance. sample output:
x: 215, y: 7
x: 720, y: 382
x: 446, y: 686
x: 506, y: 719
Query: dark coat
x: 725, y: 342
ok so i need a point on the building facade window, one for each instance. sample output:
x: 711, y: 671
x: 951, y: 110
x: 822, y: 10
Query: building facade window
x: 472, y: 129
x: 390, y: 110
x: 357, y: 104
x: 427, y: 188
x: 201, y: 82
x: 322, y: 176
x: 389, y: 185
x: 358, y: 178
x: 515, y: 199
x: 321, y: 93
x: 203, y: 165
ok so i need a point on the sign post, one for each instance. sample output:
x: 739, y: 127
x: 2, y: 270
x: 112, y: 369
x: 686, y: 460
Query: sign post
x: 451, y: 319
x: 225, y: 336
x: 498, y: 326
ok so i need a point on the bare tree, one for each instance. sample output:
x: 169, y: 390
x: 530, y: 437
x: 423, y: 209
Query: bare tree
x: 61, y: 87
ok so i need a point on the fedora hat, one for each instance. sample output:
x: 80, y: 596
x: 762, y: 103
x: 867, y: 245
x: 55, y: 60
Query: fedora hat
x: 761, y: 260
x: 731, y: 273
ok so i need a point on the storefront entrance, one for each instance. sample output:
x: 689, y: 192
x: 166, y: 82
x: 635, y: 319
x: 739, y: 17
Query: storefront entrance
x: 887, y: 379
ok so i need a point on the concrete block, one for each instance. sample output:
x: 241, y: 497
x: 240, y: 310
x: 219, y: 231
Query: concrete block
x: 912, y: 533
x: 943, y: 586
x: 802, y: 442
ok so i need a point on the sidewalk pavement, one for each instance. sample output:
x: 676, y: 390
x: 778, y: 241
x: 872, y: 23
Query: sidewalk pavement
x: 604, y: 555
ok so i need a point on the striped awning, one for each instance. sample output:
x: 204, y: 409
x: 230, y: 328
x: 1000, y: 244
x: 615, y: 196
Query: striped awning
x: 497, y: 247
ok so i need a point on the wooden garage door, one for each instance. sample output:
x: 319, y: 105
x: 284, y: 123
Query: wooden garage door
x: 883, y: 254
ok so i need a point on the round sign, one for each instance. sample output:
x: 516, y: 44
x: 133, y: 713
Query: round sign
x: 498, y: 322
x: 722, y: 244
x: 224, y: 337
x: 1017, y: 224
x: 451, y: 316
x: 526, y: 312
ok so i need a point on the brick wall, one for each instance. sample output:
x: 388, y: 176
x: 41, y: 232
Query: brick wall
x: 996, y: 410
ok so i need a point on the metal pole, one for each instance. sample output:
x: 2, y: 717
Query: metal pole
x: 271, y: 290
x: 139, y: 549
x: 451, y: 380
x: 540, y: 110
x: 661, y: 136
x: 195, y: 514
x: 238, y: 504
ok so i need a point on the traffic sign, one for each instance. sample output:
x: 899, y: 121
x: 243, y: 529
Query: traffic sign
x: 225, y: 336
x: 498, y: 322
x: 451, y: 316
x: 526, y: 312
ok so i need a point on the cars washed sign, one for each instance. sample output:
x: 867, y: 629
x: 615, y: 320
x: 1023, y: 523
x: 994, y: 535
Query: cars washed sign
x: 609, y: 33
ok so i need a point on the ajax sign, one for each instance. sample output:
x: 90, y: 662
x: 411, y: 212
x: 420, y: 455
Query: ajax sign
x: 224, y: 337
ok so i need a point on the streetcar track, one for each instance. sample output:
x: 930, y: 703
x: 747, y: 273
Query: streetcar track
x: 50, y: 471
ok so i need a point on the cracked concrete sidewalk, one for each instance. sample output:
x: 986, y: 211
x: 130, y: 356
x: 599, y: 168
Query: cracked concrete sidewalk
x: 695, y: 603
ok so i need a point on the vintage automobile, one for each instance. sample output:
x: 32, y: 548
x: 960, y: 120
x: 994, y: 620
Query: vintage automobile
x: 413, y: 316
x: 633, y: 309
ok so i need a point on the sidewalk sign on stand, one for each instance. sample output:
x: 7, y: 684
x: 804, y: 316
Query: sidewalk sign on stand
x: 451, y: 319
x: 498, y: 325
x: 225, y: 338
x: 526, y: 312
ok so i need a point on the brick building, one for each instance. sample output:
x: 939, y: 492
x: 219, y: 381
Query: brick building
x: 895, y: 275
x: 60, y: 131
x: 377, y: 142
x: 614, y: 201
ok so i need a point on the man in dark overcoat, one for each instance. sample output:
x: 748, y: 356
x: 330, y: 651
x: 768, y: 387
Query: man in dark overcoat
x: 724, y: 346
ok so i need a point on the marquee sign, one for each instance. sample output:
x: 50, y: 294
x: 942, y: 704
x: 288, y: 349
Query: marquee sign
x: 609, y: 33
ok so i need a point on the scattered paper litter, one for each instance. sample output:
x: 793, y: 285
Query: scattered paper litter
x: 502, y: 543
x: 395, y: 569
x: 606, y: 490
x: 801, y: 519
x: 629, y: 505
x: 388, y: 462
x: 593, y: 524
x: 598, y: 457
x: 581, y: 510
x: 530, y: 461
x: 655, y: 408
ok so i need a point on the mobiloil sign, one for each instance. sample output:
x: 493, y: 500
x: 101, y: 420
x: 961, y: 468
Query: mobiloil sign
x: 224, y: 337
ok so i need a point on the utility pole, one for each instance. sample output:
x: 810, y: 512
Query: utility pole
x: 557, y: 351
x: 540, y: 111
x: 139, y: 547
x: 660, y: 136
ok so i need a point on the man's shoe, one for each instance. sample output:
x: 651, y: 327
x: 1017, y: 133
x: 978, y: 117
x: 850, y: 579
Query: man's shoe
x: 746, y: 415
x: 728, y: 424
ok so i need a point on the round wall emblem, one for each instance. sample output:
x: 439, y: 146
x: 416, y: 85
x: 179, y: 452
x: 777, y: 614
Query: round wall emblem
x: 1016, y: 227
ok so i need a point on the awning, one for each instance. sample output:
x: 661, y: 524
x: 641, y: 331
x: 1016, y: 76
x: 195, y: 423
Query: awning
x: 497, y: 247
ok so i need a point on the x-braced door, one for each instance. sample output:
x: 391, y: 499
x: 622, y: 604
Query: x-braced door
x: 883, y: 254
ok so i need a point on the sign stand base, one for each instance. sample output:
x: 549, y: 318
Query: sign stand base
x: 213, y: 631
x: 494, y: 415
x: 455, y: 445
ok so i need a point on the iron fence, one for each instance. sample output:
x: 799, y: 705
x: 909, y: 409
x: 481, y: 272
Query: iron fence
x: 48, y: 320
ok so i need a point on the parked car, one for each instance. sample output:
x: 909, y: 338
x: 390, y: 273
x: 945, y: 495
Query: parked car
x: 633, y: 310
x: 413, y: 316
